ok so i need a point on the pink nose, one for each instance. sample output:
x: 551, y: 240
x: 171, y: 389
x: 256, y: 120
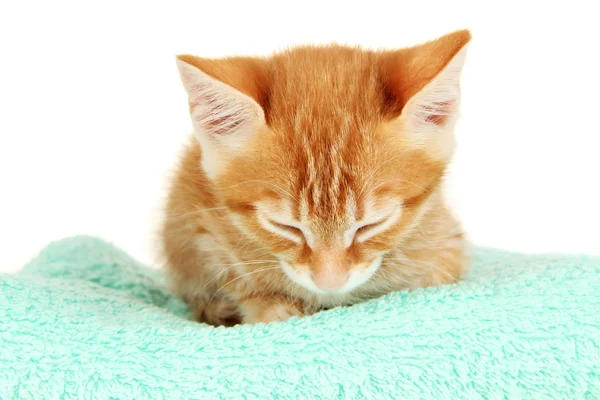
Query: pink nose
x: 329, y: 280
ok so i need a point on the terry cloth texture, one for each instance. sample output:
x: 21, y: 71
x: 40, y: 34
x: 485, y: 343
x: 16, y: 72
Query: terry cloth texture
x: 84, y: 320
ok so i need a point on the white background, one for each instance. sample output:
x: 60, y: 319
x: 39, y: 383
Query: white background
x: 92, y: 114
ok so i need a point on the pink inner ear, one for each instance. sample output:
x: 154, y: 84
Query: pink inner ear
x: 217, y: 117
x: 437, y: 113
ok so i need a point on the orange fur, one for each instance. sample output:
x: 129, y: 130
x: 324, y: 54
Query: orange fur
x: 333, y: 145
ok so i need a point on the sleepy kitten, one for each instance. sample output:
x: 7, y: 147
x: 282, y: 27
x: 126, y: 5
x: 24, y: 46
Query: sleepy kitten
x: 313, y: 179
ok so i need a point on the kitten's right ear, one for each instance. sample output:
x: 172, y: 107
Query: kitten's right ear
x: 423, y: 90
x: 224, y: 116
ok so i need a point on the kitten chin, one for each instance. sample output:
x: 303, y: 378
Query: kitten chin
x: 313, y: 180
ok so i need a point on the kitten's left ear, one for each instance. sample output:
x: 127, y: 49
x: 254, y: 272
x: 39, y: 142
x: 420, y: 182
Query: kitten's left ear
x: 226, y: 100
x: 424, y: 84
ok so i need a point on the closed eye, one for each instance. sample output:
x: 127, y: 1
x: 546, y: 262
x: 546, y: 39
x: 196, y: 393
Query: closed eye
x: 365, y: 228
x: 291, y: 232
x: 287, y: 228
x: 368, y: 230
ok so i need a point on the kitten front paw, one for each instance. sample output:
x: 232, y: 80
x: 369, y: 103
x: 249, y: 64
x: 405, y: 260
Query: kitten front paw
x: 219, y: 312
x: 279, y: 312
x: 262, y: 310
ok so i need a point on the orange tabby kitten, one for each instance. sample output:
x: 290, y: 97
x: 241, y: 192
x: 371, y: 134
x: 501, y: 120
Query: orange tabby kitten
x: 313, y: 179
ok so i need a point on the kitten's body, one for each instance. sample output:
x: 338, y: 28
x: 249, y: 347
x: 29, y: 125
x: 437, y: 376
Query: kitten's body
x: 327, y: 140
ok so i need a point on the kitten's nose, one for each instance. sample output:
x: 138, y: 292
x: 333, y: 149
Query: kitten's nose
x: 329, y: 280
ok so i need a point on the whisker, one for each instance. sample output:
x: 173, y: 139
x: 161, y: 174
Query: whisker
x: 240, y: 277
x: 229, y: 266
x: 248, y: 241
x: 374, y: 172
x: 266, y: 183
x: 393, y: 180
x: 194, y: 212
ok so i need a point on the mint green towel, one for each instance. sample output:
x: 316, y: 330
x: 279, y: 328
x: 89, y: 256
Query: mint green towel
x: 86, y: 321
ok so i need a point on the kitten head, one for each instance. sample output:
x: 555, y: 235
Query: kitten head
x: 327, y: 155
